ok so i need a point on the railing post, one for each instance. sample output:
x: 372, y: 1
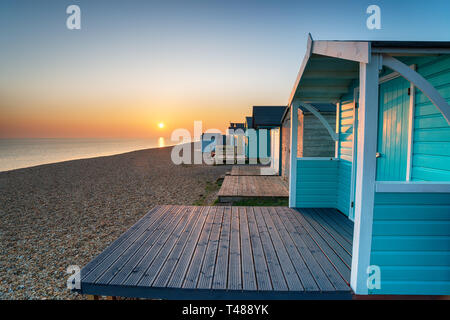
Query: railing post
x: 365, y: 173
x: 293, y: 153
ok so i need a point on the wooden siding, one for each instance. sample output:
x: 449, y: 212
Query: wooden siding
x: 317, y: 183
x: 393, y: 130
x: 187, y: 252
x: 345, y: 144
x: 286, y: 147
x: 324, y: 183
x: 344, y: 186
x: 317, y: 141
x: 411, y: 243
x: 431, y: 148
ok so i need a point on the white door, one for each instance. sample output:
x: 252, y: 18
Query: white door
x: 275, y: 150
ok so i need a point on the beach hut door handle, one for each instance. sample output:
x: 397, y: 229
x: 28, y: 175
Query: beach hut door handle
x: 378, y: 155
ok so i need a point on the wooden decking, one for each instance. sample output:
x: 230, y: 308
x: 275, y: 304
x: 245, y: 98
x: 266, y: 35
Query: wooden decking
x: 187, y: 252
x: 239, y: 187
x: 251, y: 170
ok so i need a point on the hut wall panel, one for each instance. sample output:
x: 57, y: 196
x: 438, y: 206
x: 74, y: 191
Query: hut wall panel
x: 317, y: 183
x: 411, y: 243
x: 431, y: 148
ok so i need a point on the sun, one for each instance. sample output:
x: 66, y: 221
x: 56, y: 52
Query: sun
x: 161, y: 125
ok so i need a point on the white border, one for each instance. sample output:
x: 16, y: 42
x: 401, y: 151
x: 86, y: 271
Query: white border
x: 293, y: 162
x: 412, y: 187
x: 365, y: 178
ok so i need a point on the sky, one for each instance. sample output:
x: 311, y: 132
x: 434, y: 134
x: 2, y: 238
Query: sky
x: 134, y: 64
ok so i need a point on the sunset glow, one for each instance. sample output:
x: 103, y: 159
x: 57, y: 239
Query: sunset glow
x: 161, y: 125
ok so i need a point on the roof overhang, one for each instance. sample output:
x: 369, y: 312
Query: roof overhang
x: 329, y: 68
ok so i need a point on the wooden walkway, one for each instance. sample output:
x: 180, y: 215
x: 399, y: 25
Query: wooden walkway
x: 188, y: 252
x: 239, y: 187
x: 251, y: 170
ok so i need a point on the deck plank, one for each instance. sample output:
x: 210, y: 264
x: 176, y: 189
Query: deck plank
x: 207, y: 271
x: 253, y: 186
x: 314, y: 267
x: 300, y: 266
x: 248, y: 268
x: 339, y: 218
x: 166, y: 259
x: 233, y: 252
x: 261, y: 268
x: 234, y: 273
x: 139, y: 236
x: 183, y: 262
x: 193, y: 272
x: 337, y: 226
x: 334, y: 230
x: 140, y: 224
x: 221, y: 270
x: 153, y: 257
x: 290, y: 274
x: 128, y: 261
x: 329, y: 269
x: 333, y: 243
x: 331, y: 258
x: 275, y: 270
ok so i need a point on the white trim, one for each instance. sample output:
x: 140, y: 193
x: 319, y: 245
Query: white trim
x: 318, y: 158
x: 302, y: 68
x: 293, y: 160
x: 365, y: 178
x: 409, y: 155
x: 411, y: 51
x: 354, y: 155
x: 420, y: 82
x: 393, y: 75
x: 338, y: 129
x: 349, y: 50
x: 321, y: 118
x: 412, y: 186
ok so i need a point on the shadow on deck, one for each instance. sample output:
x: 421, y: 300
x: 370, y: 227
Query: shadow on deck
x: 188, y: 252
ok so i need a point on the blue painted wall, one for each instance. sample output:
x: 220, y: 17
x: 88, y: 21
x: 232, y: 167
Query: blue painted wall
x: 317, y: 183
x: 344, y: 186
x: 257, y: 140
x: 411, y: 243
x: 393, y: 121
x: 431, y: 148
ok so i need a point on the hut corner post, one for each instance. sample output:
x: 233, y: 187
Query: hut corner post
x: 293, y: 154
x: 365, y: 173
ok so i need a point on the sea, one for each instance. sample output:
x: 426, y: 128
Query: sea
x: 23, y: 153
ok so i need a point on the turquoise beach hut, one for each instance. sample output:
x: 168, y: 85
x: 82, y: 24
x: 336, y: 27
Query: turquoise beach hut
x: 264, y: 120
x: 391, y: 170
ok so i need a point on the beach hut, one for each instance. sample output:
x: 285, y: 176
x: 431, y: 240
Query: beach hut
x: 391, y: 169
x: 313, y: 138
x: 236, y: 139
x: 263, y: 140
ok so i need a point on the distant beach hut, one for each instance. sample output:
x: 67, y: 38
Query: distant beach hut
x: 263, y: 140
x: 209, y: 141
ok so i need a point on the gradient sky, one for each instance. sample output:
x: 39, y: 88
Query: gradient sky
x: 137, y: 63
